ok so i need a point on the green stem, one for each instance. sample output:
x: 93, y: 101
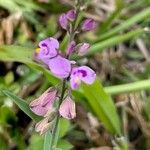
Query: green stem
x: 54, y: 132
x: 53, y: 141
x: 130, y: 87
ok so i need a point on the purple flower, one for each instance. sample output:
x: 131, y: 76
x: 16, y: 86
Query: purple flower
x: 88, y: 24
x: 71, y: 15
x: 47, y: 49
x: 71, y: 47
x: 41, y: 105
x: 60, y: 67
x: 67, y: 108
x: 83, y: 49
x: 63, y: 21
x: 82, y: 73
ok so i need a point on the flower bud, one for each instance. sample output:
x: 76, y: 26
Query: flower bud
x: 67, y: 108
x: 88, y: 24
x: 71, y: 47
x: 71, y: 15
x: 43, y: 126
x: 41, y: 105
x: 83, y: 49
x: 63, y: 21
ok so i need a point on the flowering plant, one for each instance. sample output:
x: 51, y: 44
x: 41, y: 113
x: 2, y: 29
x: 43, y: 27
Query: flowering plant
x: 63, y: 67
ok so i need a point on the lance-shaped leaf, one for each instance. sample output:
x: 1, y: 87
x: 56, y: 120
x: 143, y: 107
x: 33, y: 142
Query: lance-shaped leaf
x: 22, y: 105
x: 103, y: 106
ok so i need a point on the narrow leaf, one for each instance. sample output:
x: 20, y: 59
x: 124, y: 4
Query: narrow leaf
x: 22, y: 105
x: 103, y: 106
x: 127, y: 23
x: 15, y: 53
x: 98, y: 47
x: 129, y: 87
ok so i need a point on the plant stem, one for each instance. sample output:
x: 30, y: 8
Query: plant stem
x: 53, y: 141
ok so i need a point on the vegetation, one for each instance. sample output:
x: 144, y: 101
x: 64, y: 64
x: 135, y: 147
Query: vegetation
x: 111, y: 113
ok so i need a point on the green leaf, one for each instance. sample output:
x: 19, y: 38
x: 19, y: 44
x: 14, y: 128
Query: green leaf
x: 64, y: 126
x: 127, y: 23
x: 103, y: 106
x: 15, y: 53
x: 98, y: 47
x: 64, y: 145
x: 129, y: 87
x: 47, y: 140
x: 22, y: 105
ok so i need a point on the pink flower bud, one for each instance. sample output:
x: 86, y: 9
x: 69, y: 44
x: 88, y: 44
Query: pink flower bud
x: 71, y: 47
x: 88, y: 24
x: 63, y: 21
x: 43, y: 126
x: 83, y: 49
x: 71, y: 15
x: 67, y: 108
x: 41, y: 105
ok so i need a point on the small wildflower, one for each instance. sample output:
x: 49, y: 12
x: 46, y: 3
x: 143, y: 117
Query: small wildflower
x: 88, y: 24
x: 47, y: 49
x: 67, y: 108
x: 41, y: 105
x: 82, y: 73
x: 60, y: 67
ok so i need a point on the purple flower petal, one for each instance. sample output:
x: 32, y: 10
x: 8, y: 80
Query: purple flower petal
x: 71, y: 15
x: 41, y: 105
x: 48, y: 49
x: 82, y: 73
x: 67, y: 108
x: 63, y: 21
x: 75, y: 82
x: 60, y: 67
x: 88, y: 75
x: 83, y: 49
x: 88, y: 24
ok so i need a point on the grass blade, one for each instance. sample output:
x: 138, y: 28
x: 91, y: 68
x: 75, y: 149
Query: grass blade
x: 126, y: 24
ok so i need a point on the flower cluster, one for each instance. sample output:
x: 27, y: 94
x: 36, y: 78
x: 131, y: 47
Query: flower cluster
x: 62, y: 67
x: 43, y: 106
